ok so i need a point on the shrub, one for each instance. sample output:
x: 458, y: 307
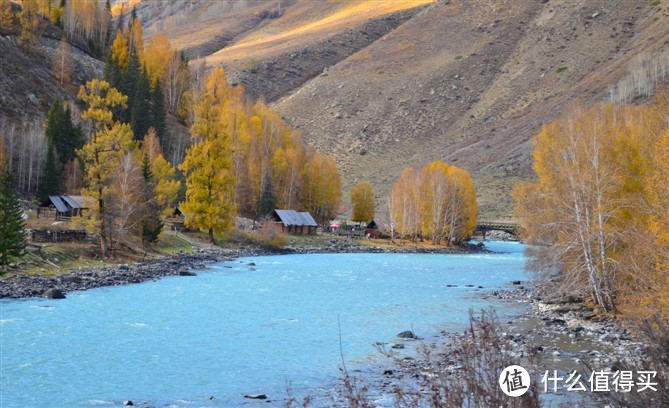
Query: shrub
x: 467, y: 375
x: 252, y: 66
x: 268, y: 238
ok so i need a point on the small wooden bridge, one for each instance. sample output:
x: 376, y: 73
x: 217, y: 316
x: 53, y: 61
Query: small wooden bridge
x: 483, y: 226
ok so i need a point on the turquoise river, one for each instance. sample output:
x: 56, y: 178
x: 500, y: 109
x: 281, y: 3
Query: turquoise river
x: 238, y: 329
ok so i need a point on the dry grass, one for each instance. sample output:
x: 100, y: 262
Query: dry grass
x: 308, y: 21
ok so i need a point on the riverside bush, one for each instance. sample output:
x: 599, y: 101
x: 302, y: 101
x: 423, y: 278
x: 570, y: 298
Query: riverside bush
x: 464, y: 375
x: 268, y: 238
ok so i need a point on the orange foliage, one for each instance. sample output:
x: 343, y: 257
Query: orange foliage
x: 157, y: 55
x: 599, y: 206
x: 438, y: 201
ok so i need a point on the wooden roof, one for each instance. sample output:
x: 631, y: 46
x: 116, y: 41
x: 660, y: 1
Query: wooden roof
x: 292, y: 218
x: 62, y: 202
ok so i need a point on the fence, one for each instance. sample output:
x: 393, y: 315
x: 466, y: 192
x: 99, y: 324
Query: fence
x: 58, y: 235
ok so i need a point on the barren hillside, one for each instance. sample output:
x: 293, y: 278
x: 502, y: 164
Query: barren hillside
x: 387, y: 84
x: 28, y: 85
x: 471, y: 82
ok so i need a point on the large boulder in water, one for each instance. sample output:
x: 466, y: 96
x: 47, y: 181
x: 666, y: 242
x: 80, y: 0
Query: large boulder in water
x: 408, y: 334
x: 187, y: 273
x: 54, y: 293
x: 256, y: 396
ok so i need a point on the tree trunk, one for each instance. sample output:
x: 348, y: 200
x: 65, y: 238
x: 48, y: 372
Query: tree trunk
x: 211, y: 236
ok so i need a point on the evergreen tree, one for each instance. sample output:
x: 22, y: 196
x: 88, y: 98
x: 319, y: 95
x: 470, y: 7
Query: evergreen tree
x: 49, y: 183
x: 112, y: 71
x: 62, y: 133
x: 72, y: 140
x: 140, y: 119
x: 158, y: 110
x: 152, y: 224
x: 54, y: 121
x: 12, y: 240
x: 127, y: 86
x: 110, y: 25
x: 266, y: 201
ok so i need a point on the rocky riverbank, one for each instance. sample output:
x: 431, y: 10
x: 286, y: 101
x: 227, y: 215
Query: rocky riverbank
x: 27, y: 286
x: 562, y: 335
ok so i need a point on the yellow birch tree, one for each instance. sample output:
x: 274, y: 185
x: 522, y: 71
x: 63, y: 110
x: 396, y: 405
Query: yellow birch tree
x: 362, y: 199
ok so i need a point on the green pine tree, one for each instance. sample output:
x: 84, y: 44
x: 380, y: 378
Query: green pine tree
x: 110, y: 26
x: 49, y: 181
x: 266, y: 201
x: 72, y: 138
x: 152, y: 224
x: 128, y: 86
x: 140, y: 112
x: 54, y: 122
x: 12, y: 240
x: 158, y: 110
x: 62, y: 133
x: 112, y: 72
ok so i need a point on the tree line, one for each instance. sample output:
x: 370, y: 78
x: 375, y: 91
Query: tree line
x: 241, y: 154
x: 598, y: 212
x: 436, y: 202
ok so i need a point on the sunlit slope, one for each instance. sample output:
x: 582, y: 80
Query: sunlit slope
x: 471, y: 83
x: 308, y: 21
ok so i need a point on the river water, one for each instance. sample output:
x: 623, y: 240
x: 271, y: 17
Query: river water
x: 237, y: 328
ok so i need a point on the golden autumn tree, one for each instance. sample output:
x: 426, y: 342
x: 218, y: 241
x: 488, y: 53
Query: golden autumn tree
x: 157, y: 56
x: 286, y: 165
x: 406, y: 203
x: 652, y: 292
x: 6, y: 16
x: 362, y: 200
x: 31, y: 26
x: 321, y: 187
x: 434, y: 191
x: 437, y: 201
x: 119, y: 50
x: 166, y: 186
x: 590, y: 170
x: 208, y: 164
x: 643, y: 265
x: 460, y: 214
x: 101, y: 157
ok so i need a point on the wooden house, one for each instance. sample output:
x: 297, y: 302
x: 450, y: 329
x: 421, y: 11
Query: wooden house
x: 64, y: 206
x: 293, y: 222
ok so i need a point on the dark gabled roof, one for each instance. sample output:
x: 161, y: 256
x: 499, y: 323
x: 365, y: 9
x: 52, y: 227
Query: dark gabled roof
x: 78, y: 202
x: 291, y: 218
x: 57, y: 202
x: 308, y: 219
x: 64, y: 203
